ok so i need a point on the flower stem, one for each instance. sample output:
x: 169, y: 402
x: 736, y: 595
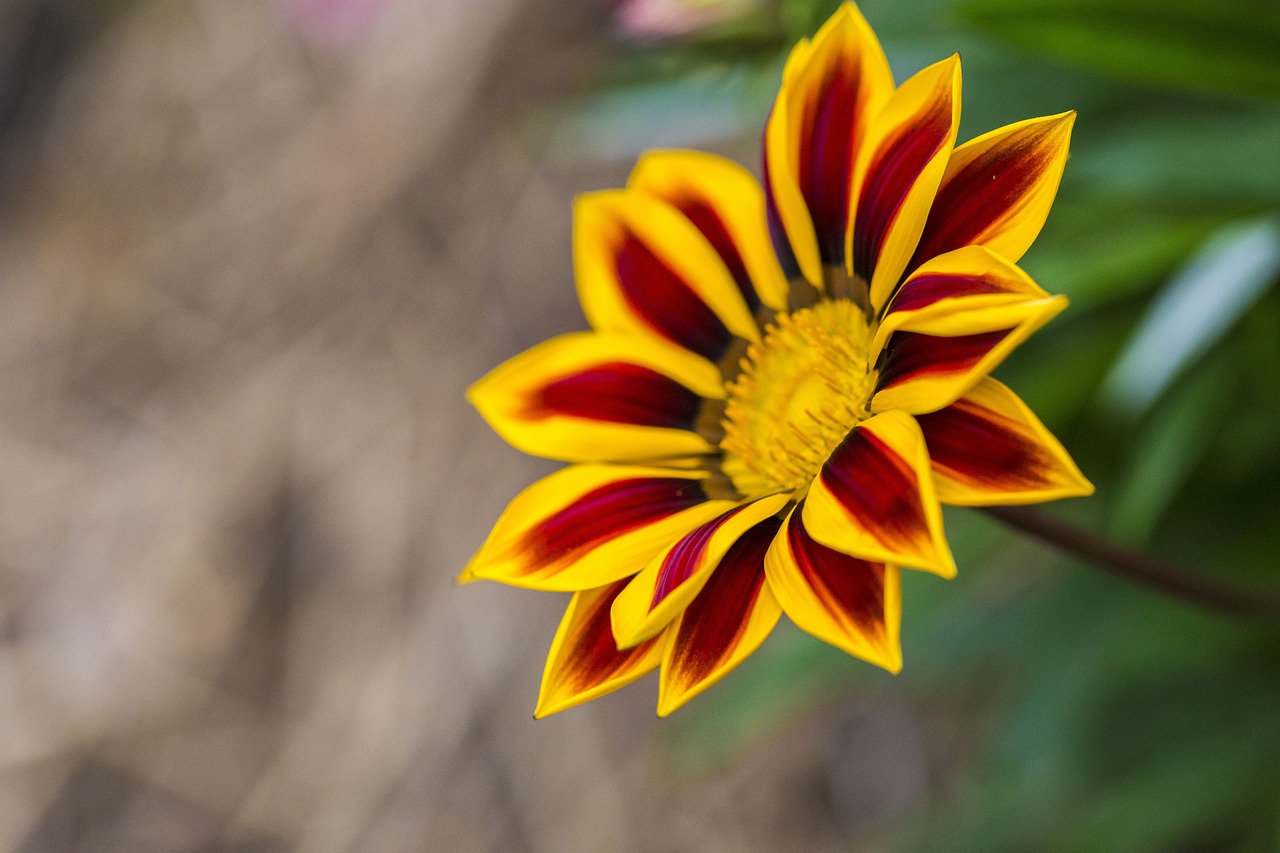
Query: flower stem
x: 1139, y: 566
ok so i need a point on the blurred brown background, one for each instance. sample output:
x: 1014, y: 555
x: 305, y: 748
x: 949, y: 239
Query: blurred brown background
x: 251, y: 254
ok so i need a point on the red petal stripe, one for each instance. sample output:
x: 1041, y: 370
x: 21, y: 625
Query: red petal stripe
x: 966, y: 442
x: 619, y: 393
x: 829, y: 127
x: 850, y: 589
x: 666, y: 302
x: 683, y: 557
x: 594, y: 657
x: 911, y: 355
x: 969, y: 201
x: 877, y: 487
x: 924, y: 290
x: 603, y: 513
x: 705, y: 219
x: 713, y: 622
x: 890, y: 176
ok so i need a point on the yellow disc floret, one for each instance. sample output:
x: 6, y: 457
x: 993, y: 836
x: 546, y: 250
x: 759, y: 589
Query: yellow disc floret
x: 802, y: 388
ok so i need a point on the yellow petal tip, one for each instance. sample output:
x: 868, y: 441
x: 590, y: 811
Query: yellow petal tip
x: 892, y: 665
x: 945, y: 569
x: 550, y: 702
x: 466, y: 576
x: 886, y: 655
x: 943, y: 562
x: 473, y: 392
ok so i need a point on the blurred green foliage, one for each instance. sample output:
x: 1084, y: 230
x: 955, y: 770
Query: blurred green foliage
x: 1096, y: 715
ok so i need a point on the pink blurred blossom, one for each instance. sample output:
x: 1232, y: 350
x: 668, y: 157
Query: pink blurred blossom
x: 673, y: 18
x: 333, y: 20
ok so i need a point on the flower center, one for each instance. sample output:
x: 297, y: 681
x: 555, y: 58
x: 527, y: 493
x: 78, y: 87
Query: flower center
x: 801, y: 390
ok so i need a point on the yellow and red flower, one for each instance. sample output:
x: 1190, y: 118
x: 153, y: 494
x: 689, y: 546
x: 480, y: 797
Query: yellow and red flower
x: 781, y: 385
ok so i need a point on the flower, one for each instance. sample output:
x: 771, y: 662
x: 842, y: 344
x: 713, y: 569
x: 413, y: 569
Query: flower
x: 781, y: 385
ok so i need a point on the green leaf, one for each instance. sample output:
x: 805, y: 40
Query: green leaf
x: 1209, y: 161
x: 791, y: 671
x: 1227, y: 47
x: 694, y: 111
x: 1098, y: 253
x: 1197, y: 307
x: 1168, y: 449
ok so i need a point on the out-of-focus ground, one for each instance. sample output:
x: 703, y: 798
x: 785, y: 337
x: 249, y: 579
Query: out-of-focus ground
x: 246, y: 271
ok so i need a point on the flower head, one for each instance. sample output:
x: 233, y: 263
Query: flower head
x: 781, y: 384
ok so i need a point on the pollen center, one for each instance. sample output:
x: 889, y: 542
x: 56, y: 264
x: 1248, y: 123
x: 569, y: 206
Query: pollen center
x: 801, y: 390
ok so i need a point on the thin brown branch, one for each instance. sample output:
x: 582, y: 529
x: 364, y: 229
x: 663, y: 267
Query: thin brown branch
x: 1140, y: 566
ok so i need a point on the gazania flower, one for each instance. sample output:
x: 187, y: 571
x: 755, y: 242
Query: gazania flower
x: 781, y: 385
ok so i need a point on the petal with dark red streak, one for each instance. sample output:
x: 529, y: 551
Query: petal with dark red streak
x: 729, y: 619
x: 966, y: 292
x: 589, y: 525
x: 963, y: 292
x: 988, y: 449
x: 671, y: 580
x: 584, y: 662
x: 851, y: 603
x: 874, y: 498
x: 921, y: 372
x: 724, y: 202
x: 642, y: 268
x: 597, y: 397
x: 830, y: 89
x: 898, y: 172
x: 998, y: 189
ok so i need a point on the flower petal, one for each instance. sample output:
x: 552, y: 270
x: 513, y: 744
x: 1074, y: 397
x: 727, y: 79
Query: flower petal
x: 584, y: 662
x: 964, y: 292
x: 898, y: 172
x: 853, y: 604
x: 724, y: 202
x: 643, y: 268
x: 589, y: 525
x: 720, y: 628
x: 998, y: 189
x: 598, y: 397
x: 830, y: 88
x: 987, y: 448
x: 922, y: 373
x: 671, y: 580
x: 874, y: 497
